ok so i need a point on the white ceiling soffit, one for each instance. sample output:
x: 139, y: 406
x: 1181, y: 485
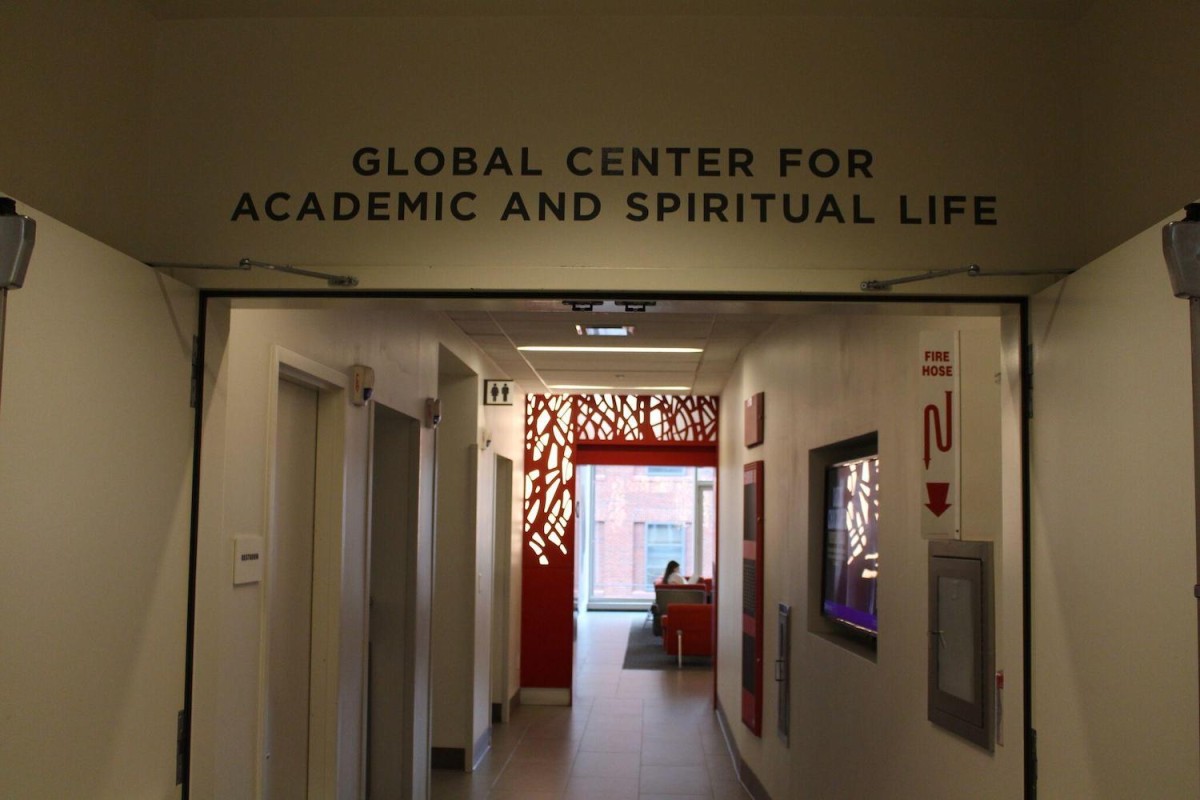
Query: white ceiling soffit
x: 1011, y: 9
x: 713, y: 339
x: 721, y: 329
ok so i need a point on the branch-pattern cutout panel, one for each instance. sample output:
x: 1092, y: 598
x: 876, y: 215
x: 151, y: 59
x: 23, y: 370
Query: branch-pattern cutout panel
x: 553, y: 425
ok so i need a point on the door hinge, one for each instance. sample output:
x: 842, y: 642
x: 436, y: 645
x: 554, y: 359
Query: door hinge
x: 181, y: 748
x: 195, y: 371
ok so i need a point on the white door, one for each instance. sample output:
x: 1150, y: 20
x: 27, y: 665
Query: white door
x: 289, y: 596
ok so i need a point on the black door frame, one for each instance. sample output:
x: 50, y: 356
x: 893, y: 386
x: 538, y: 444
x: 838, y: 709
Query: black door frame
x: 1020, y: 303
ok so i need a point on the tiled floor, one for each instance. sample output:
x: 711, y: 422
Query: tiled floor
x: 631, y: 735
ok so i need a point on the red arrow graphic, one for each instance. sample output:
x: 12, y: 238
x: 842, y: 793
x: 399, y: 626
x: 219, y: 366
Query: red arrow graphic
x: 938, y: 492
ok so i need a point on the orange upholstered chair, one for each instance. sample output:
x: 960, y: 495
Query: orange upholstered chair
x: 668, y: 594
x: 688, y: 629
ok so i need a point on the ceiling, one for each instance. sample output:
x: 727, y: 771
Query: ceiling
x: 716, y: 338
x: 716, y: 327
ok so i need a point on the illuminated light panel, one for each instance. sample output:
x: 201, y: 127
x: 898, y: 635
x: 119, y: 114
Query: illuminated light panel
x: 604, y: 330
x: 546, y: 348
x: 629, y: 388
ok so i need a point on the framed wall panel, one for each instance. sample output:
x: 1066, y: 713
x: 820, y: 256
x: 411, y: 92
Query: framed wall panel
x: 752, y: 596
x: 753, y: 419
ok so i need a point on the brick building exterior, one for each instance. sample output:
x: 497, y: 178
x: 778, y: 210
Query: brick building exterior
x: 644, y: 516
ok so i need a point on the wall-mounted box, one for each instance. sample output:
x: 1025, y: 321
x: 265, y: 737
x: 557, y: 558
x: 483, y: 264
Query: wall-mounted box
x: 962, y: 642
x: 753, y: 411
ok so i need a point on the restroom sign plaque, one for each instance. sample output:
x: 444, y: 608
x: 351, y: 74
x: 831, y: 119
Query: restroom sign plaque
x: 498, y: 393
x: 939, y: 427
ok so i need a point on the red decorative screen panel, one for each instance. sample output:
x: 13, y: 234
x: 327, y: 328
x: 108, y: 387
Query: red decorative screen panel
x: 555, y: 427
x: 556, y: 424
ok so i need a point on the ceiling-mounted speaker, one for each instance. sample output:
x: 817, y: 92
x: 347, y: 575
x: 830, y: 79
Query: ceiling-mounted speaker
x: 16, y: 244
x: 1181, y: 249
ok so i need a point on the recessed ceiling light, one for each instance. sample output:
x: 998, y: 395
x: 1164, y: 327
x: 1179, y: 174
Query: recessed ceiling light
x: 604, y: 330
x: 582, y: 349
x: 575, y: 387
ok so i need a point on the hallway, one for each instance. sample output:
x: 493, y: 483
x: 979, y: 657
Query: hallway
x: 631, y: 735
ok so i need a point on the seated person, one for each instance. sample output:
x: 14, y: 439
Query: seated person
x: 672, y: 574
x: 672, y: 577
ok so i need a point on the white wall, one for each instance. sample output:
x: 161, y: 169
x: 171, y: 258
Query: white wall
x: 1114, y: 549
x: 403, y: 349
x: 462, y: 586
x: 859, y: 727
x: 95, y: 486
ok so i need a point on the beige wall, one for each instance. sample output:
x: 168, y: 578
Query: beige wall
x: 1137, y: 134
x: 76, y: 132
x: 859, y: 727
x: 788, y: 82
x: 144, y: 132
x: 95, y: 486
x: 1058, y: 119
x: 1114, y: 549
x: 403, y: 349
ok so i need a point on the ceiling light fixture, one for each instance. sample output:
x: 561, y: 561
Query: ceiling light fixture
x: 579, y: 387
x: 582, y: 349
x: 604, y: 330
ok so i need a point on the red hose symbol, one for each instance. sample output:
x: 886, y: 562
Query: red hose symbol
x: 932, y: 411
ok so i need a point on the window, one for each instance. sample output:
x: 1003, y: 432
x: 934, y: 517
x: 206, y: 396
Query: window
x: 668, y: 472
x: 618, y: 563
x: 664, y: 542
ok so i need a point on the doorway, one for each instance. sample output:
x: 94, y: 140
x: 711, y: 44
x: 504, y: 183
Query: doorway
x: 503, y: 649
x: 285, y: 765
x: 523, y: 546
x: 634, y: 519
x: 391, y: 622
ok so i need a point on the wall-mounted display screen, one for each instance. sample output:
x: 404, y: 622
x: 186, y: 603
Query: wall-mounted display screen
x: 852, y: 544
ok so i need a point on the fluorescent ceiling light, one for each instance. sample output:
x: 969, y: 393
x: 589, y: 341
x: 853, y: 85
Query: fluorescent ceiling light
x: 574, y: 387
x: 583, y: 349
x: 604, y: 330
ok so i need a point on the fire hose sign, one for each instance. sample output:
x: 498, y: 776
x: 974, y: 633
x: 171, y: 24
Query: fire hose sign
x: 939, y: 426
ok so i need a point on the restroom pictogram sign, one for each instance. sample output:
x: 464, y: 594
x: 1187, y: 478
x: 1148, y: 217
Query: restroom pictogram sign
x: 938, y: 424
x: 498, y: 393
